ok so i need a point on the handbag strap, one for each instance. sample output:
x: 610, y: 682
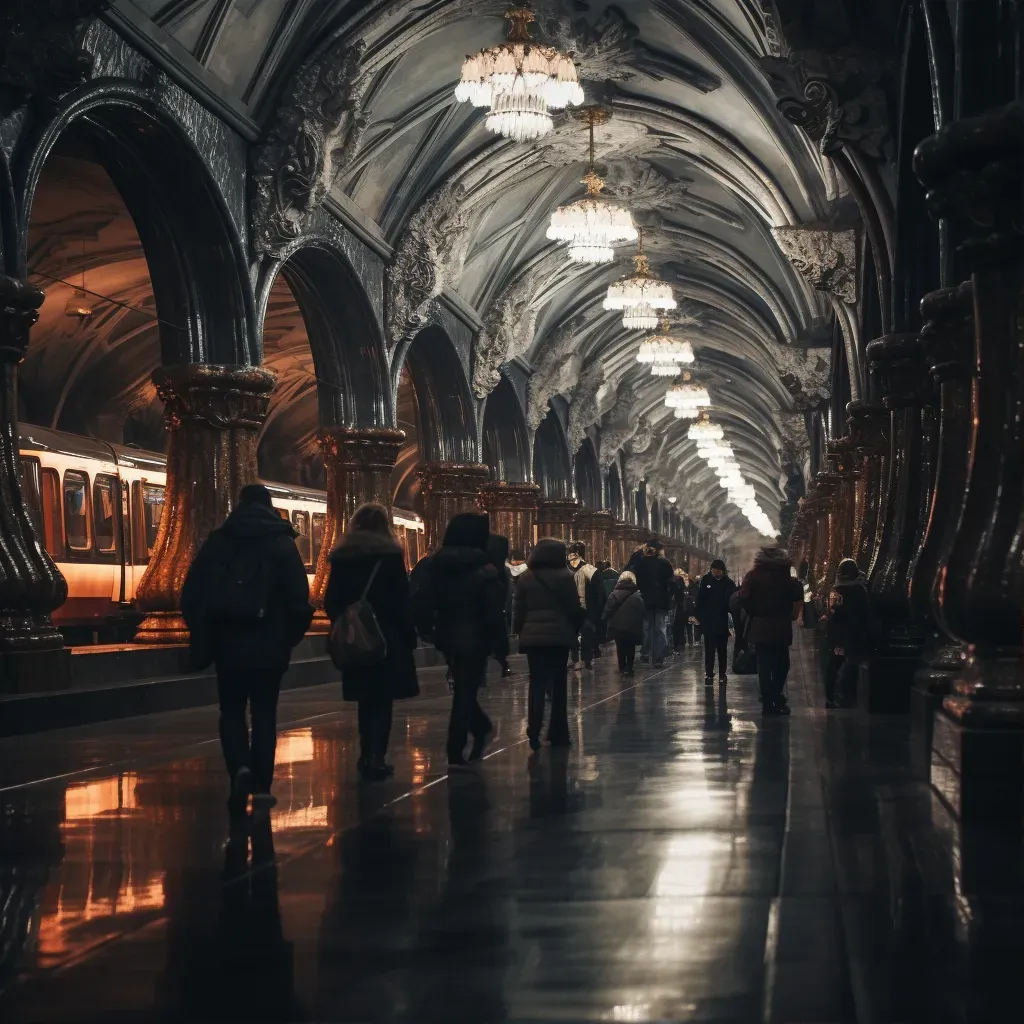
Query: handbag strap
x: 369, y: 582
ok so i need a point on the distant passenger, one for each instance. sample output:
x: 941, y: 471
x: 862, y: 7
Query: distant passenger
x: 773, y: 598
x: 654, y: 577
x: 583, y: 572
x: 369, y: 549
x: 246, y: 604
x: 497, y: 555
x: 459, y: 605
x: 624, y: 620
x: 516, y: 566
x: 711, y: 609
x: 547, y: 616
x: 851, y: 626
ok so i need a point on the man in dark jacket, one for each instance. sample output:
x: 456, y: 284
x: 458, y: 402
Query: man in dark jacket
x: 458, y: 601
x: 773, y: 597
x: 711, y: 610
x: 850, y: 629
x: 654, y: 578
x: 246, y: 603
x: 547, y: 616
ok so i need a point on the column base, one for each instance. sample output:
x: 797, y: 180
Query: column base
x: 35, y: 671
x: 162, y: 628
x: 884, y: 682
x: 932, y: 683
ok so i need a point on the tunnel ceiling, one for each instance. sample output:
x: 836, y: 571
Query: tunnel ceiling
x: 696, y: 147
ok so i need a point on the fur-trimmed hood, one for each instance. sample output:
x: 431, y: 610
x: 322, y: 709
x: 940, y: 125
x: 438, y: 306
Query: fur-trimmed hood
x: 363, y: 544
x: 773, y: 558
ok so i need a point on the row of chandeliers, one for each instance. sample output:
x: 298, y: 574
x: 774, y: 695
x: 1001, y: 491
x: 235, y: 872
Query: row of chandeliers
x: 520, y: 81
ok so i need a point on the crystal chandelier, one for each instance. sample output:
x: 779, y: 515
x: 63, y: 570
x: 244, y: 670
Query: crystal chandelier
x: 664, y: 369
x: 592, y: 225
x: 705, y: 430
x: 640, y: 295
x: 687, y: 398
x: 520, y: 81
x: 663, y: 348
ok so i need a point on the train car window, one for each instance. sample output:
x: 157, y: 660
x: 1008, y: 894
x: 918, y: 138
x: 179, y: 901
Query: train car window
x: 104, y: 519
x: 76, y: 510
x: 53, y: 525
x: 30, y: 475
x: 152, y: 510
x: 319, y: 521
x: 283, y: 513
x: 300, y: 520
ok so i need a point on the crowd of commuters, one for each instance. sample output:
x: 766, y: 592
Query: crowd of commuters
x: 246, y: 603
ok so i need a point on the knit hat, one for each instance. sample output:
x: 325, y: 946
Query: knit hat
x: 718, y: 564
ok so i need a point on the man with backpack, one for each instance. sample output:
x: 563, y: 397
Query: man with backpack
x: 246, y: 604
x: 458, y: 604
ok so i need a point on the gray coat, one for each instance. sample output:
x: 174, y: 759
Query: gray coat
x: 546, y: 611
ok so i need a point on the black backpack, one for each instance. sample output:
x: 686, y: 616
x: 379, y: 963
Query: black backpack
x: 241, y: 590
x: 356, y: 640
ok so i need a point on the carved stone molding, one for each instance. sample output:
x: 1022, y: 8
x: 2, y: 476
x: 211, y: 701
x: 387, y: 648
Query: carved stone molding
x: 795, y: 443
x: 315, y: 131
x: 805, y: 373
x: 556, y: 369
x: 41, y: 52
x: 583, y: 411
x: 621, y: 426
x: 507, y: 331
x: 824, y: 255
x: 836, y: 98
x: 428, y: 258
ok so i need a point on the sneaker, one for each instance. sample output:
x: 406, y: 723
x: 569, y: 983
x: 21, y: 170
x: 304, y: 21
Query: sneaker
x: 534, y: 742
x: 375, y: 772
x: 480, y: 744
x: 459, y: 764
x: 263, y: 800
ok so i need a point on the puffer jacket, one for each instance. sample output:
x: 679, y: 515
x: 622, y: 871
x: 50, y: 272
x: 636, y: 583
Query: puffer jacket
x: 624, y: 613
x: 768, y: 595
x: 547, y: 611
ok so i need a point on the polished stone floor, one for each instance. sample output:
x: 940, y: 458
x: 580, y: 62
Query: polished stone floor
x: 685, y: 861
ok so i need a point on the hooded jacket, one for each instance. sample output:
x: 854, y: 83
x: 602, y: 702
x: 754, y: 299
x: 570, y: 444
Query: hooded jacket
x: 261, y: 648
x: 583, y: 573
x: 466, y: 592
x: 768, y: 595
x: 624, y: 611
x: 711, y: 607
x: 352, y: 561
x: 851, y: 622
x: 653, y: 577
x: 547, y: 610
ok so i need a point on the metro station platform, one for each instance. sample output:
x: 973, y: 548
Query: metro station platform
x: 684, y: 861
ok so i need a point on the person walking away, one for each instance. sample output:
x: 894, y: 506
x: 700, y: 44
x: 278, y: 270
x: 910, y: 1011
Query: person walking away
x: 547, y: 616
x: 497, y: 555
x: 849, y: 633
x: 516, y: 566
x: 653, y: 577
x: 458, y: 600
x: 246, y: 603
x: 609, y: 578
x: 369, y: 561
x: 596, y: 598
x: 682, y: 604
x: 695, y: 630
x: 773, y: 598
x: 624, y: 620
x: 711, y: 609
x: 582, y: 572
x: 810, y: 618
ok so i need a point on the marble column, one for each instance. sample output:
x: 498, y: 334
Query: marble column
x: 868, y: 424
x: 593, y: 528
x: 358, y: 464
x: 555, y: 518
x: 948, y: 340
x: 885, y: 685
x: 973, y: 170
x: 446, y: 489
x: 213, y: 415
x: 512, y: 509
x: 32, y: 652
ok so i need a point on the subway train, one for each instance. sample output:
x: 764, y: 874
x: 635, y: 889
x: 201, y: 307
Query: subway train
x: 96, y: 507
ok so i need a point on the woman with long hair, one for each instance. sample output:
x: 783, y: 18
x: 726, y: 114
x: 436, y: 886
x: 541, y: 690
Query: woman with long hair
x: 370, y: 562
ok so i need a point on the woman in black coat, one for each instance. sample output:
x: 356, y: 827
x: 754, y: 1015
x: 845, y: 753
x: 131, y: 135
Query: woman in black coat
x: 368, y: 544
x: 624, y: 620
x: 547, y: 616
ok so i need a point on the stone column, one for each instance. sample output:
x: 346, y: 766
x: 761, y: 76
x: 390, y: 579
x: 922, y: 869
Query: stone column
x: 843, y: 453
x: 213, y: 415
x: 447, y: 488
x: 555, y: 517
x: 621, y: 544
x: 358, y: 464
x: 948, y: 340
x: 885, y: 686
x: 866, y: 428
x: 593, y: 529
x: 32, y: 652
x: 513, y: 511
x: 973, y: 169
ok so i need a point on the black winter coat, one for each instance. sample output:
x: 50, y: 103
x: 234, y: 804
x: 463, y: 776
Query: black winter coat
x: 654, y: 578
x: 261, y: 648
x: 624, y: 613
x: 768, y: 595
x: 851, y: 624
x: 711, y: 608
x: 547, y: 610
x: 352, y: 561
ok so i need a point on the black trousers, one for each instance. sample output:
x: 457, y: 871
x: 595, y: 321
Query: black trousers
x: 772, y: 670
x: 625, y: 651
x: 841, y: 679
x: 374, y: 728
x: 237, y: 691
x: 715, y: 643
x: 548, y: 667
x: 682, y: 631
x: 468, y: 675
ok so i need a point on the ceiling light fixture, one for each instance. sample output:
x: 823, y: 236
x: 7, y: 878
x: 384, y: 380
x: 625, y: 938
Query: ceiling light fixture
x: 80, y: 306
x: 641, y: 295
x: 519, y: 81
x: 663, y: 349
x: 592, y: 225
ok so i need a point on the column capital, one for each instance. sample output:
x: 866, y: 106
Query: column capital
x: 226, y: 397
x: 824, y: 255
x: 498, y: 494
x: 452, y: 478
x: 899, y: 358
x: 19, y: 310
x: 356, y: 448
